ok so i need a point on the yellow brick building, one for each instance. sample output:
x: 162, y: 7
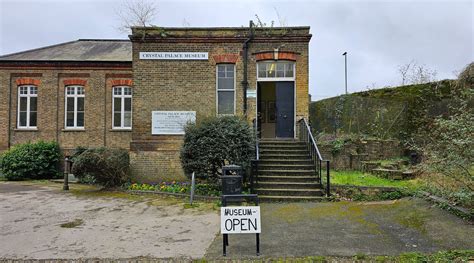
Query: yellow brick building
x: 132, y: 93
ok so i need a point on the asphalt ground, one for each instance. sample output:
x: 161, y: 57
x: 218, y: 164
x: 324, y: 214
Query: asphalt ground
x: 44, y: 222
x: 348, y: 229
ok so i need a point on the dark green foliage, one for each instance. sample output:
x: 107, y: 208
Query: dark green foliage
x: 383, y: 113
x: 447, y: 145
x: 337, y: 145
x: 213, y: 142
x: 31, y: 161
x: 108, y: 167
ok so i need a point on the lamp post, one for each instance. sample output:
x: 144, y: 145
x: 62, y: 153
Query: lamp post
x: 345, y: 67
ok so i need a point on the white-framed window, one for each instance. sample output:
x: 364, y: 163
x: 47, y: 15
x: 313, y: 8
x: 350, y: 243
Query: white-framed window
x: 271, y: 70
x: 225, y: 89
x: 74, y: 113
x: 122, y: 107
x: 27, y: 107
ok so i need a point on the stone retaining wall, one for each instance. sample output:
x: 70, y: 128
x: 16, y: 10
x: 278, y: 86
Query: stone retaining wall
x: 354, y: 152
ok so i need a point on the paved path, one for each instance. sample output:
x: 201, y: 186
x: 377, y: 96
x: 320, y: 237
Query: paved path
x: 111, y: 227
x: 31, y: 218
x: 350, y: 228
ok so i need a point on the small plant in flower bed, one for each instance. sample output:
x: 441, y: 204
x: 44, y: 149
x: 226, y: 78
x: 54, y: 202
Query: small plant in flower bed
x: 178, y: 187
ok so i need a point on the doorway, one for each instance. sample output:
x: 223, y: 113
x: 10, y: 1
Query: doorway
x: 276, y: 109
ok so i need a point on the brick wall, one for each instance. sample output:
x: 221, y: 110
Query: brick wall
x: 50, y: 121
x: 189, y: 85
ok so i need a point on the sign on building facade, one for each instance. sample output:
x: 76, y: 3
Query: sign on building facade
x: 170, y: 122
x: 174, y: 55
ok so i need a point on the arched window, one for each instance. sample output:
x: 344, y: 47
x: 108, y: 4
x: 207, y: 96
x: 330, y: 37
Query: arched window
x: 27, y: 106
x: 122, y: 107
x: 74, y: 114
x: 281, y: 70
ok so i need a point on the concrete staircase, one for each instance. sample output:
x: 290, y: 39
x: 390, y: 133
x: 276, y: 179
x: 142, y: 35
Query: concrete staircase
x: 286, y: 172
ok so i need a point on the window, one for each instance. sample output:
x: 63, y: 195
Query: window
x: 276, y: 70
x: 122, y: 107
x: 27, y: 106
x: 225, y: 89
x: 74, y: 107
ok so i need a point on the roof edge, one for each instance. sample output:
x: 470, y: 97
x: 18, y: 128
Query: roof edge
x: 217, y: 28
x: 36, y: 49
x: 62, y: 44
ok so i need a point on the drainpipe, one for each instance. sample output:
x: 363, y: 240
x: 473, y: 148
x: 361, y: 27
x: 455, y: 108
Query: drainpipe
x: 9, y: 112
x: 245, y: 60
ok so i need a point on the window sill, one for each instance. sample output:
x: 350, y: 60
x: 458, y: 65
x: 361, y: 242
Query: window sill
x: 120, y: 130
x: 26, y: 129
x: 74, y: 130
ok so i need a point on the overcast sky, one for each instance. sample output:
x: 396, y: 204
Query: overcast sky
x: 378, y: 35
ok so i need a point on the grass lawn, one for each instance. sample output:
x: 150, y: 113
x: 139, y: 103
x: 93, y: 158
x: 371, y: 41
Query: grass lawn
x: 364, y: 179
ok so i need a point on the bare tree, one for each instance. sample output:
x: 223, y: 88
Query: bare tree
x: 282, y: 21
x: 421, y: 74
x: 185, y: 23
x: 412, y: 73
x: 404, y: 70
x: 136, y: 13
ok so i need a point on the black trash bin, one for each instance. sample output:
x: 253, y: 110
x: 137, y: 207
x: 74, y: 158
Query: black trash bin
x: 231, y: 180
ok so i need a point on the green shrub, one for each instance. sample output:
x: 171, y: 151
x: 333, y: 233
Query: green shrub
x: 31, y: 161
x: 215, y: 141
x: 108, y: 167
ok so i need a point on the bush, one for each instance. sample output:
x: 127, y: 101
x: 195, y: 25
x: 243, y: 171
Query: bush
x: 215, y: 141
x: 108, y: 167
x: 31, y: 161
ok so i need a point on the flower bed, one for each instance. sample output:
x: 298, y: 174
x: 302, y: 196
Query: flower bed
x: 178, y: 188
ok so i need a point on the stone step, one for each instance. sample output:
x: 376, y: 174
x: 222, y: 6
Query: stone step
x: 289, y: 192
x: 283, y: 147
x: 285, y: 152
x: 290, y: 185
x: 306, y: 161
x: 276, y: 156
x: 286, y: 172
x: 286, y: 167
x: 270, y: 198
x: 270, y: 141
x: 291, y: 179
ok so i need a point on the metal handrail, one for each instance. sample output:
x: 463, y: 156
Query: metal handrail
x: 307, y: 136
x: 310, y: 134
x: 254, y: 163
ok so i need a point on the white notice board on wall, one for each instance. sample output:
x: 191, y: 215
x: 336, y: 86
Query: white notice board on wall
x: 170, y: 122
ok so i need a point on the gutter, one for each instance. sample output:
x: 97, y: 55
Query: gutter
x: 245, y: 82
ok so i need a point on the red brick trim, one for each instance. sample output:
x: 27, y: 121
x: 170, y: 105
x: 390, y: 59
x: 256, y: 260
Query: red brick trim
x: 270, y: 55
x: 28, y: 81
x: 81, y: 82
x: 122, y: 82
x: 287, y: 56
x: 226, y: 58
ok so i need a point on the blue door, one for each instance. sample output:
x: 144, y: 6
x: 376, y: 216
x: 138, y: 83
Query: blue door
x: 285, y: 99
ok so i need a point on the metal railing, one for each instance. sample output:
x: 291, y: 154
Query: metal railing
x: 307, y: 136
x: 254, y: 163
